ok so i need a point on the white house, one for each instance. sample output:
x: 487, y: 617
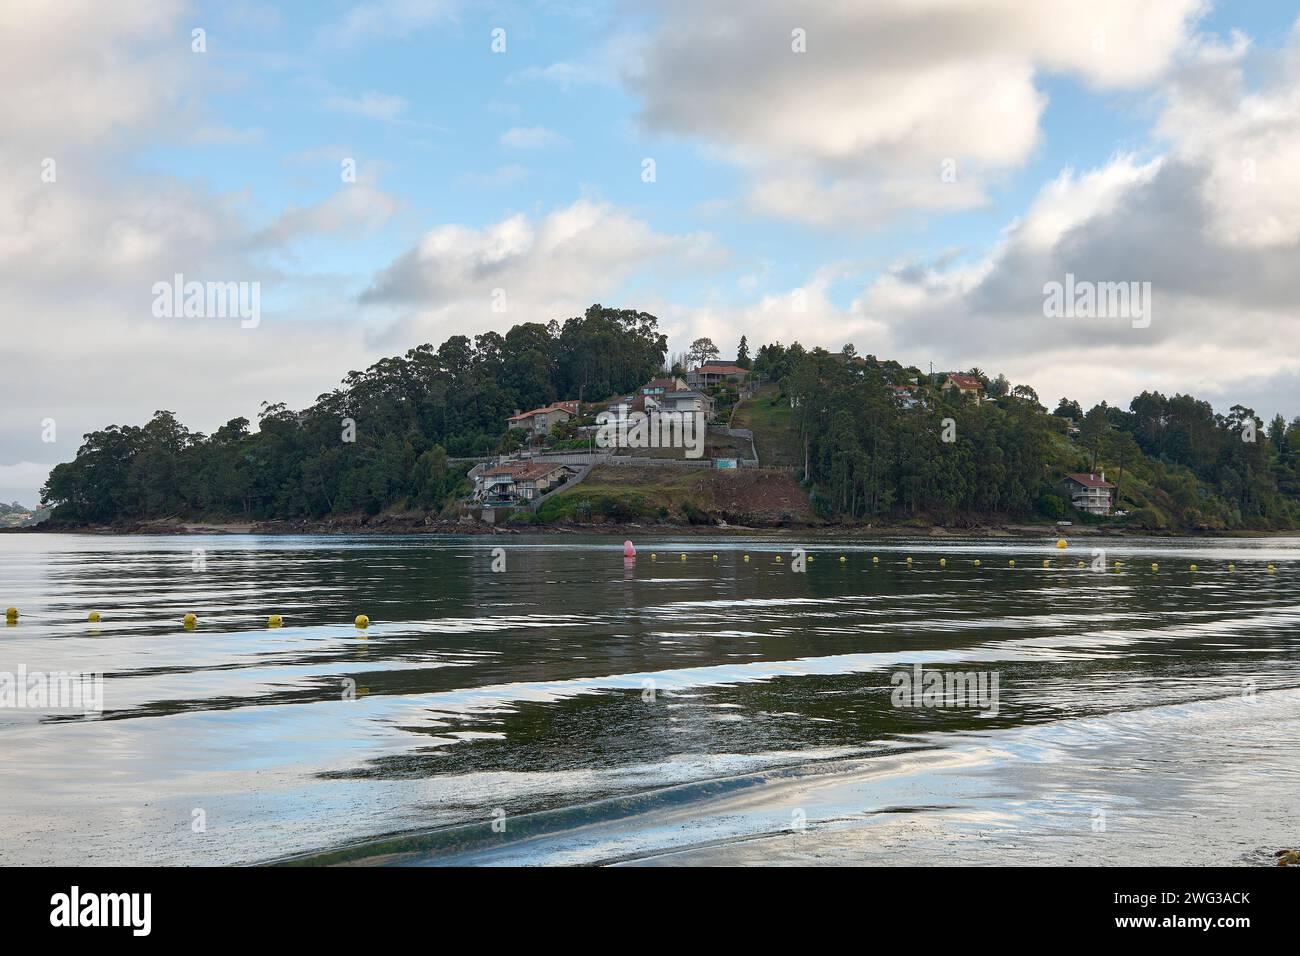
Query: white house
x: 1087, y: 492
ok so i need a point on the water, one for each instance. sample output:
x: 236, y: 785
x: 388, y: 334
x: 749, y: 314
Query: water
x: 575, y: 709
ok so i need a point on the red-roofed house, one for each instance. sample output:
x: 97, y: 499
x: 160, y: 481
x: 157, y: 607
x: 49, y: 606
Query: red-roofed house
x: 540, y: 421
x: 1090, y: 493
x: 712, y: 373
x: 518, y: 481
x: 966, y: 385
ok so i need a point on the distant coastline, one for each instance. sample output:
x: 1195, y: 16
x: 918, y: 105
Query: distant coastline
x: 417, y: 525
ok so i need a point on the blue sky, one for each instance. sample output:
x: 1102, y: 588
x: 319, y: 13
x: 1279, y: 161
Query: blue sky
x: 797, y: 194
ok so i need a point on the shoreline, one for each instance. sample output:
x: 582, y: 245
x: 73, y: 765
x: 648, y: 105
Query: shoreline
x: 421, y: 525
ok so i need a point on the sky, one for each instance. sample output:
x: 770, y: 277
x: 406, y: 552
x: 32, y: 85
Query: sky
x: 902, y: 176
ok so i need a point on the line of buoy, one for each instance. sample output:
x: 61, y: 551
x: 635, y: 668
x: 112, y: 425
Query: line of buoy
x: 190, y: 621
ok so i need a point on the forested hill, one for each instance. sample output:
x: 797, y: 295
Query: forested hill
x: 410, y: 413
x: 1176, y: 463
x: 871, y: 440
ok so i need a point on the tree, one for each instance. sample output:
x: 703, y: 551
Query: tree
x: 1092, y: 430
x: 742, y: 354
x: 702, y: 350
x: 1069, y: 409
x: 998, y: 387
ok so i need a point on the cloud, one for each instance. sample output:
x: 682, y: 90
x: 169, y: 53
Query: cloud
x: 886, y: 94
x: 351, y: 209
x: 371, y: 105
x: 79, y: 73
x: 549, y: 267
x: 531, y: 137
x: 18, y: 482
x: 387, y: 19
x: 1217, y: 238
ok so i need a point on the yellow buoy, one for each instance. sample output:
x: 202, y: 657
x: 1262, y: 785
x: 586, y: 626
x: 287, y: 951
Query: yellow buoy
x: 875, y: 560
x: 275, y: 620
x: 1046, y: 563
x: 1155, y: 567
x: 1011, y: 563
x: 715, y: 557
x: 1080, y: 564
x: 746, y: 557
x: 1193, y: 567
x: 1232, y: 567
x: 810, y: 557
x: 683, y: 557
x: 1116, y: 565
x: 977, y: 562
x: 1060, y: 543
x: 93, y: 617
x: 909, y: 559
x: 943, y: 562
x: 778, y: 559
x: 653, y: 556
x: 842, y: 559
x: 190, y: 621
x: 362, y: 621
x: 1271, y: 569
x: 11, y: 614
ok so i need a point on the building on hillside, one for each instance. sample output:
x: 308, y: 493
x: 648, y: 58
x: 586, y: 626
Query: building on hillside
x: 661, y: 386
x: 516, y: 482
x: 1088, y: 492
x: 968, y: 386
x: 540, y: 421
x: 714, y: 373
x: 905, y: 396
x: 686, y: 401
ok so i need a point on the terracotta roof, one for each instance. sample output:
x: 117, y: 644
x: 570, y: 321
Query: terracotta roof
x: 719, y: 368
x: 668, y: 384
x: 1089, y: 481
x: 965, y: 381
x: 569, y: 406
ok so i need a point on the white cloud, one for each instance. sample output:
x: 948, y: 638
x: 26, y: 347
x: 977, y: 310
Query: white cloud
x: 387, y: 19
x: 860, y: 125
x: 351, y: 209
x: 1218, y: 248
x: 371, y: 105
x: 548, y: 267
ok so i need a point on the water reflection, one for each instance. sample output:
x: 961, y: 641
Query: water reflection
x: 526, y: 687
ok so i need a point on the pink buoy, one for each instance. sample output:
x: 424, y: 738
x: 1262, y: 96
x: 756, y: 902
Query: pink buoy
x: 628, y: 550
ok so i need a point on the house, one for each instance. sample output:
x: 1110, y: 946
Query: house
x: 714, y: 373
x: 686, y: 401
x: 905, y: 395
x: 966, y: 386
x: 1087, y: 492
x: 496, y: 483
x: 535, y: 480
x: 540, y: 421
x: 518, y: 481
x: 661, y: 386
